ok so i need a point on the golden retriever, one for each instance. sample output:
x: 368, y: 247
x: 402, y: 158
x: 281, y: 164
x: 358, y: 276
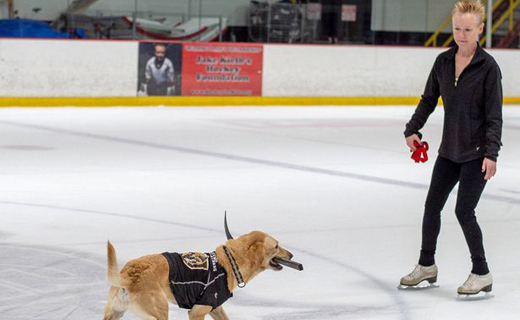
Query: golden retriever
x: 144, y: 285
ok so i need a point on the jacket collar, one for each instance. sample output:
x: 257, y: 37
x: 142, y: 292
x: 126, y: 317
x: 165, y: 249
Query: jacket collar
x: 479, y: 53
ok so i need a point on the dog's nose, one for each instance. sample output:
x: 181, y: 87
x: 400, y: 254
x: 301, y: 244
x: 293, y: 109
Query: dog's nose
x: 290, y: 255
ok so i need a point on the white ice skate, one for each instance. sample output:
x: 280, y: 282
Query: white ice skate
x: 476, y: 286
x: 420, y: 278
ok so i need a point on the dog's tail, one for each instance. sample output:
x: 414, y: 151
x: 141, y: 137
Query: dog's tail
x: 113, y: 269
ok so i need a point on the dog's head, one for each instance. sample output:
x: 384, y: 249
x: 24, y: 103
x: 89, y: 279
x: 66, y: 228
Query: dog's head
x: 260, y: 249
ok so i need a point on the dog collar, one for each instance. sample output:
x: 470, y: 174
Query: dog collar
x: 234, y: 266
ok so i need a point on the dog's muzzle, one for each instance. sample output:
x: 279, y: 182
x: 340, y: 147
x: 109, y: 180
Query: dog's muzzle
x: 276, y: 262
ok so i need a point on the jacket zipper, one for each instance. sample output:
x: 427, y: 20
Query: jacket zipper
x: 469, y: 64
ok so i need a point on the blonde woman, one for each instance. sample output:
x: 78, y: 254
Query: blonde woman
x: 469, y: 81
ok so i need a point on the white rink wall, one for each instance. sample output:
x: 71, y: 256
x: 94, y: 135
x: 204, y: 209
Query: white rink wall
x: 363, y: 71
x: 67, y: 68
x: 76, y: 68
x: 352, y: 71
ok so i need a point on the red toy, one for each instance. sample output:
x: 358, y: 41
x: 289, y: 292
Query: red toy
x: 420, y: 155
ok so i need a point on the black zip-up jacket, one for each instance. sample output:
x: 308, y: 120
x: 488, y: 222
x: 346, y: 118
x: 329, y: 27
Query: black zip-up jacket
x: 472, y: 107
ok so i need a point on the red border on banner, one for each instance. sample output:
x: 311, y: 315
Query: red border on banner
x: 222, y: 69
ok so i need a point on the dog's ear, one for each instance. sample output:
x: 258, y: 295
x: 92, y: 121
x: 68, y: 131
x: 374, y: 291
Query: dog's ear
x: 254, y: 237
x: 256, y: 253
x: 255, y: 244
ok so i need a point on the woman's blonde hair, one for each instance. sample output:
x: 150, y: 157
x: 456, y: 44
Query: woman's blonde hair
x: 472, y: 7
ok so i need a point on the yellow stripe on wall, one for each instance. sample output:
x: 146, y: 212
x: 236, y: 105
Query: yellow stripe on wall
x: 512, y: 100
x: 212, y: 101
x: 202, y: 101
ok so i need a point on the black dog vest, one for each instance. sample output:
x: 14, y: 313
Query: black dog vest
x: 197, y: 278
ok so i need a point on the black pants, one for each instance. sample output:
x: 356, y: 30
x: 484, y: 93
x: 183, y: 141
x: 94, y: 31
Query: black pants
x: 471, y: 181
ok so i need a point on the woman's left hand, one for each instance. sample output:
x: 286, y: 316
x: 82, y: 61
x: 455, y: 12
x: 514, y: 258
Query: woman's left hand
x: 489, y: 167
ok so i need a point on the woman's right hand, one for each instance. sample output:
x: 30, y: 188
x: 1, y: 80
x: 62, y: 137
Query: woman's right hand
x: 410, y: 140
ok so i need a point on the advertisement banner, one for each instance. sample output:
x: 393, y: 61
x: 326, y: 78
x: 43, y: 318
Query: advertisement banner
x: 222, y: 69
x: 159, y: 71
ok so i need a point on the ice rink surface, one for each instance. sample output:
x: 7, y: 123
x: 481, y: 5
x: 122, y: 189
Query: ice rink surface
x: 335, y: 185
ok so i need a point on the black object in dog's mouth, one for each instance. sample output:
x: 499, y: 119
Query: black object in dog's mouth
x: 275, y: 265
x: 276, y: 262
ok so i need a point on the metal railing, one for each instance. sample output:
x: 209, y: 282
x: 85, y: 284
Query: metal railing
x: 434, y: 37
x: 501, y: 10
x: 508, y: 14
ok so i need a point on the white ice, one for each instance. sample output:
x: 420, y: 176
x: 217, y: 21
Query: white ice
x: 335, y: 185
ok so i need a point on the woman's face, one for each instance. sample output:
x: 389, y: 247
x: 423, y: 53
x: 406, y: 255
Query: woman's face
x: 466, y: 29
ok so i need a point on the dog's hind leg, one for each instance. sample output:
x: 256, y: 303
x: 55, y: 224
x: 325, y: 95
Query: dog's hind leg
x: 151, y: 305
x: 219, y: 314
x: 117, y: 303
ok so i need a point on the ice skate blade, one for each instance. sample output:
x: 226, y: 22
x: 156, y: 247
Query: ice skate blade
x: 425, y: 285
x: 475, y: 297
x: 484, y: 293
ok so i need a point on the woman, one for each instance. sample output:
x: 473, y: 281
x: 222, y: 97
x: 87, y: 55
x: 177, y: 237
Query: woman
x: 469, y: 81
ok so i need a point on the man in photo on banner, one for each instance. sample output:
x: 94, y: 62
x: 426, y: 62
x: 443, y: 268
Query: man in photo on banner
x: 159, y: 74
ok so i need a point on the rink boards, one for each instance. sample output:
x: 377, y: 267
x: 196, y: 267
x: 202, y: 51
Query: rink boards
x: 107, y: 73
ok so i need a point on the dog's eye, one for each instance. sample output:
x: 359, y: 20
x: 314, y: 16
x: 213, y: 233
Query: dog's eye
x: 276, y: 247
